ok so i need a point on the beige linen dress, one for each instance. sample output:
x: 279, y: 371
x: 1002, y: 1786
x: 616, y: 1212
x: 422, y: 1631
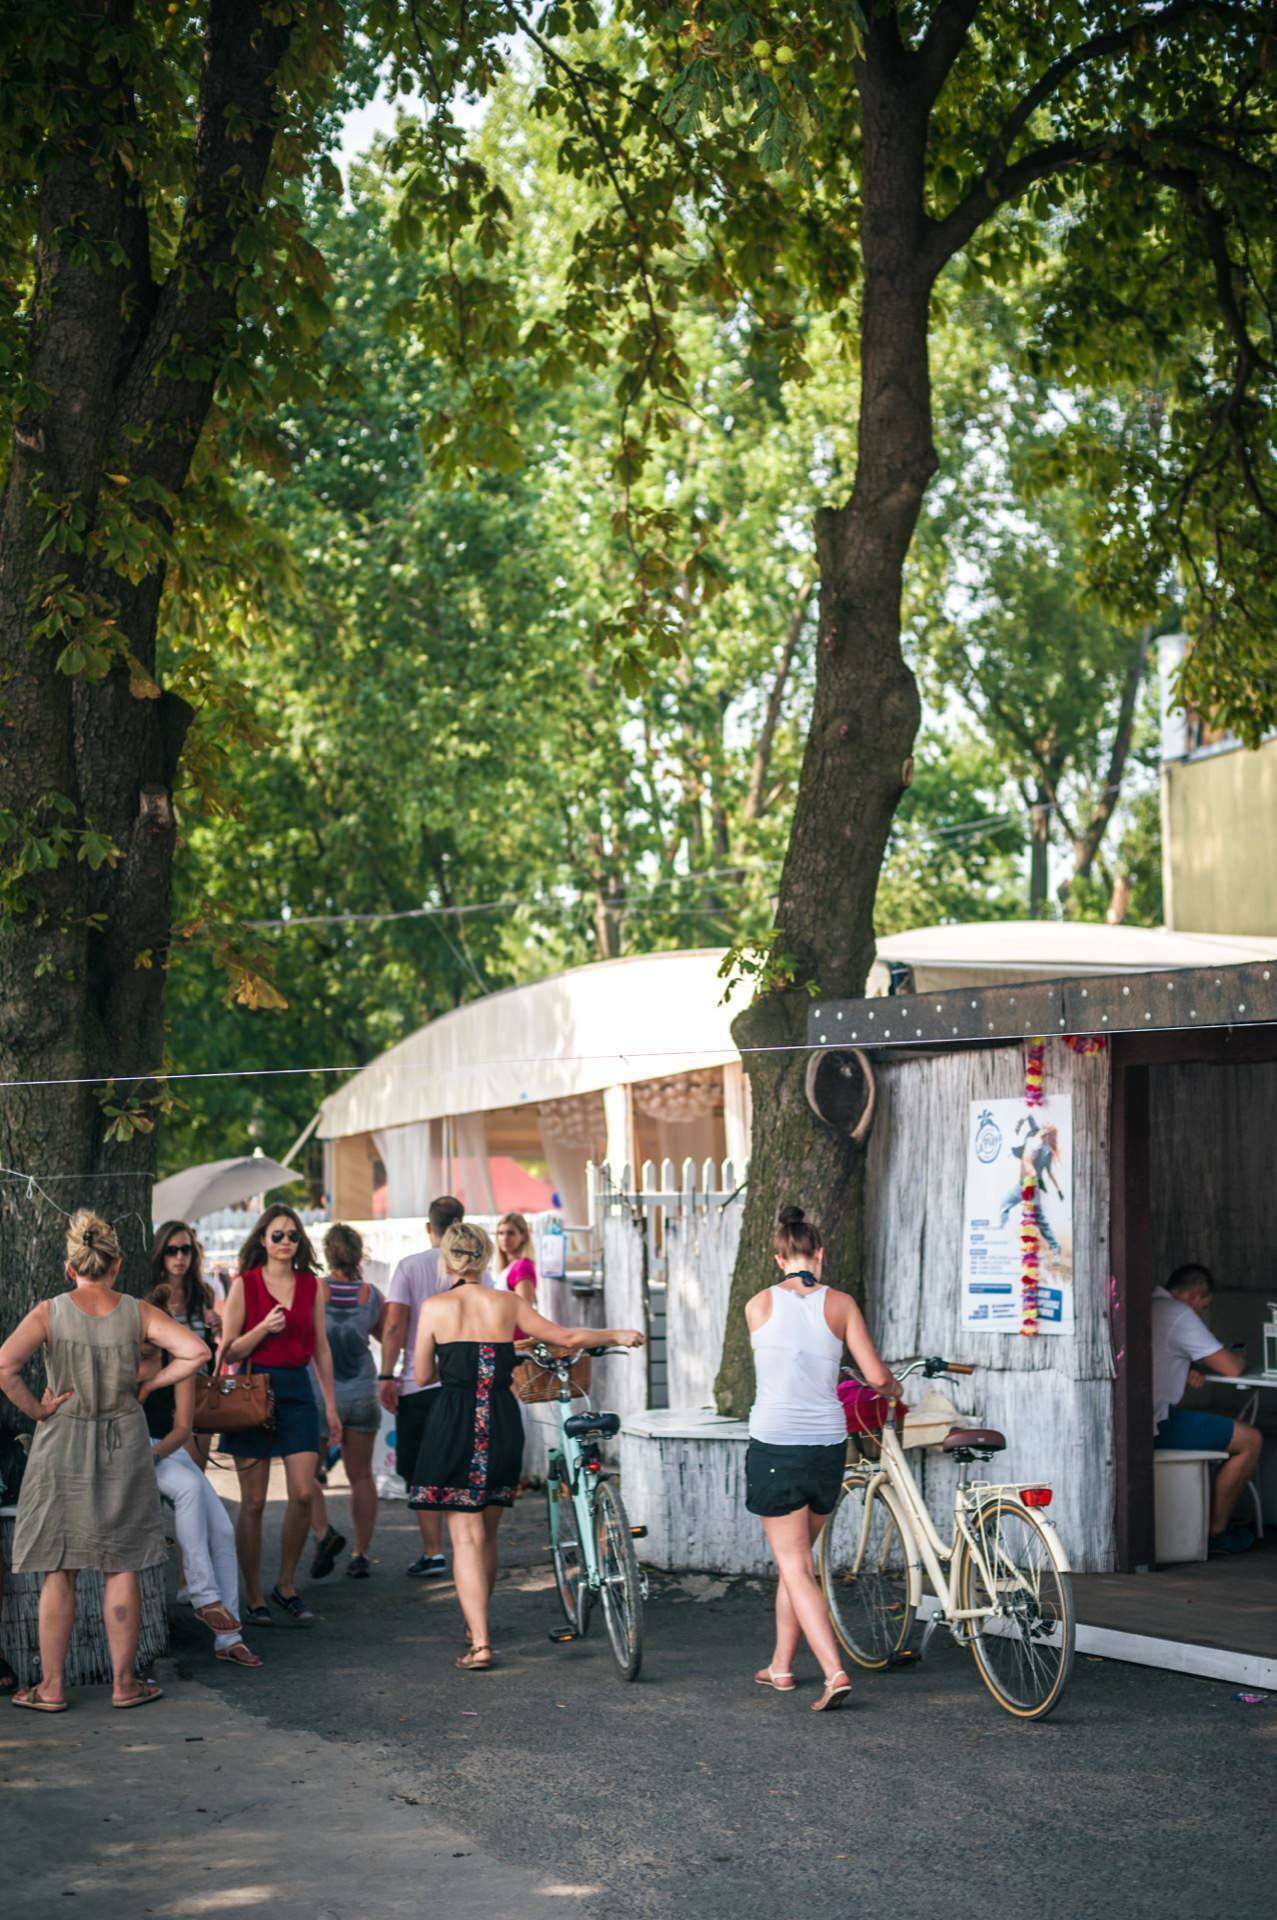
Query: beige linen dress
x: 89, y: 1495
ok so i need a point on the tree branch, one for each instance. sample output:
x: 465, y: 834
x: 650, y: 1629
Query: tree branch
x: 943, y: 42
x: 1086, y: 845
x: 760, y: 766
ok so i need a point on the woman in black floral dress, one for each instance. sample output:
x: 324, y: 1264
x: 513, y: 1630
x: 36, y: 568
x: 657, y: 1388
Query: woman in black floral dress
x: 472, y: 1448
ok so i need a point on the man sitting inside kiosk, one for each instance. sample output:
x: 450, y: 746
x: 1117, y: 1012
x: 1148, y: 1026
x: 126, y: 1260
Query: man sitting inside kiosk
x: 1183, y: 1344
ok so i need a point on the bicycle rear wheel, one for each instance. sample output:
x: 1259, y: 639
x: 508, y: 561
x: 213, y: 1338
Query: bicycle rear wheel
x: 1025, y: 1652
x: 865, y: 1574
x: 565, y: 1547
x: 620, y: 1583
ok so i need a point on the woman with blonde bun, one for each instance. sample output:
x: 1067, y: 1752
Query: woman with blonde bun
x: 89, y: 1495
x: 472, y: 1449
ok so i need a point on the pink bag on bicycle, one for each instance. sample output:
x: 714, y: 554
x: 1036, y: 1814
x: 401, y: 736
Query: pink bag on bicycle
x: 865, y: 1409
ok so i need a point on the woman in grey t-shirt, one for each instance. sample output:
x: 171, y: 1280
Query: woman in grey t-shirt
x: 354, y: 1310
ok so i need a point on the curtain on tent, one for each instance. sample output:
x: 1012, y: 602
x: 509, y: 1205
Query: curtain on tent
x: 737, y: 1114
x: 411, y: 1159
x: 471, y: 1173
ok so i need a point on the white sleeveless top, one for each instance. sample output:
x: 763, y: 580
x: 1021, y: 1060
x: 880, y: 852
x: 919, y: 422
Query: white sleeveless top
x: 796, y: 1360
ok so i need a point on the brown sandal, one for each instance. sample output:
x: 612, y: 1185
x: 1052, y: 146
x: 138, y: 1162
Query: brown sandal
x: 33, y: 1700
x: 239, y: 1655
x: 474, y: 1661
x: 217, y: 1618
x: 148, y: 1693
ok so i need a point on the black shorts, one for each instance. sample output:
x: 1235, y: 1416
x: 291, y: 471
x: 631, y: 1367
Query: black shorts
x: 410, y: 1430
x: 780, y: 1480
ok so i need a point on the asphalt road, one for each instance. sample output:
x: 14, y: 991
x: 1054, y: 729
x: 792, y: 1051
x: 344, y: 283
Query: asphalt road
x: 694, y: 1793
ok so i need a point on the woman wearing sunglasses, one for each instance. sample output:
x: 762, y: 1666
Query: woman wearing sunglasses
x: 179, y: 1289
x: 274, y: 1316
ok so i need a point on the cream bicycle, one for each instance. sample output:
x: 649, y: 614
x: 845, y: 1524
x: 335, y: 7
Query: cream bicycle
x: 1000, y: 1585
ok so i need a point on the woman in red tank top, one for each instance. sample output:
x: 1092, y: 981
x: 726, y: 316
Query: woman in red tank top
x: 274, y: 1318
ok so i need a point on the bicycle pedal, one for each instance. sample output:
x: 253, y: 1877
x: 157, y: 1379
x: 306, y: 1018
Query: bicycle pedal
x: 908, y: 1657
x: 638, y: 1533
x: 561, y: 1637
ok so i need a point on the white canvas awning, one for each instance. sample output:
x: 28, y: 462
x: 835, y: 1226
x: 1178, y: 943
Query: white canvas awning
x: 599, y: 1026
x: 1001, y: 952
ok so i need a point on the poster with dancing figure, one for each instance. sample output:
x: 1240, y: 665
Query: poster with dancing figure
x: 1012, y: 1147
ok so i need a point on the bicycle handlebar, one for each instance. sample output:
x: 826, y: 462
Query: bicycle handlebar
x: 544, y: 1358
x: 934, y: 1366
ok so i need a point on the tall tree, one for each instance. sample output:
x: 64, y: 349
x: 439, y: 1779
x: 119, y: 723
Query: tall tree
x: 153, y: 254
x: 853, y: 160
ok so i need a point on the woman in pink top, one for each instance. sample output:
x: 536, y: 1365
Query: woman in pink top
x: 516, y: 1268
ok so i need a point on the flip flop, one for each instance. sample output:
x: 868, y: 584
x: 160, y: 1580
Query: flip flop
x: 473, y: 1662
x: 239, y: 1655
x: 29, y: 1697
x: 149, y: 1693
x: 217, y: 1618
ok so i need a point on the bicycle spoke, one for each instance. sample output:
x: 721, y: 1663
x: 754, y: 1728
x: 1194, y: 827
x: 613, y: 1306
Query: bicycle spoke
x: 1025, y: 1648
x: 864, y: 1572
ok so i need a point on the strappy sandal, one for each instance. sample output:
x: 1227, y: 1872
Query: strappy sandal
x: 238, y: 1655
x: 778, y: 1682
x: 149, y: 1693
x: 34, y: 1702
x: 217, y: 1618
x: 474, y: 1662
x: 837, y: 1688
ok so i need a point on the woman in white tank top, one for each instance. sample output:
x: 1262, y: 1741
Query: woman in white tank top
x: 799, y: 1331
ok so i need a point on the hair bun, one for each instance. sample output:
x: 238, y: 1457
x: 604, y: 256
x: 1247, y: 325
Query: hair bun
x: 790, y: 1216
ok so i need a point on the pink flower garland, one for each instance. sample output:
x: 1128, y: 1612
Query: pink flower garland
x: 1030, y: 1237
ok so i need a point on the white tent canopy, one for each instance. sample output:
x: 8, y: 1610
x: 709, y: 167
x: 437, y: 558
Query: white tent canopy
x: 997, y: 952
x: 596, y: 1027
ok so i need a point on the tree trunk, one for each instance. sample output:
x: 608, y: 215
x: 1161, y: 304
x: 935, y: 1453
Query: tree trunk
x: 864, y: 718
x: 1087, y: 843
x: 126, y: 369
x: 1039, y: 856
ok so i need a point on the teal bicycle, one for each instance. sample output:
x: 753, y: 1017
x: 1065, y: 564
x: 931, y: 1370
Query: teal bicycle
x: 591, y: 1539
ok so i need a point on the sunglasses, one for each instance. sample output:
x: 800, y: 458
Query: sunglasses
x: 171, y: 1253
x: 289, y: 1233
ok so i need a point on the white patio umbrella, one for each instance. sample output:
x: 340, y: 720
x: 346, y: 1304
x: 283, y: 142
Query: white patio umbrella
x: 195, y: 1191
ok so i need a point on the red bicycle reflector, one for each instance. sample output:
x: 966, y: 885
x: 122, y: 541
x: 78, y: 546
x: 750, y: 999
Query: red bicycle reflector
x: 1036, y: 1496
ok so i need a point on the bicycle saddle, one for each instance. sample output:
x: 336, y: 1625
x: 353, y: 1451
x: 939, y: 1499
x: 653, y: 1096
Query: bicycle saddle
x: 974, y: 1440
x: 579, y: 1424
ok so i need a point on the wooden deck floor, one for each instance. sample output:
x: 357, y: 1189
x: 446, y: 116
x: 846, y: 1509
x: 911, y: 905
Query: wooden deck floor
x: 1225, y: 1603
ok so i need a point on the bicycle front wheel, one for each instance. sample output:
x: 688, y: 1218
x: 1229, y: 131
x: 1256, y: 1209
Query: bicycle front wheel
x: 565, y: 1549
x: 1024, y: 1651
x: 620, y: 1583
x: 864, y: 1570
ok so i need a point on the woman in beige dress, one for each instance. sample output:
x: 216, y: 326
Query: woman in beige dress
x: 89, y: 1495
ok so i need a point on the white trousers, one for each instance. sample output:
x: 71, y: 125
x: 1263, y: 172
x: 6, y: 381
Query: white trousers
x: 205, y: 1535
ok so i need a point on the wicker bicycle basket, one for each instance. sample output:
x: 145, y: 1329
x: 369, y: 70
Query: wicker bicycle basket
x: 535, y: 1384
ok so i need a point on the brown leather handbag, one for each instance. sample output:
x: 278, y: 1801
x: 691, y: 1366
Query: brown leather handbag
x: 233, y: 1403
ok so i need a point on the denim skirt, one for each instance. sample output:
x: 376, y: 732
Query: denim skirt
x: 297, y: 1427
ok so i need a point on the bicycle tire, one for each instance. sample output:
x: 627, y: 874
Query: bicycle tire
x: 620, y: 1583
x: 565, y: 1550
x: 869, y: 1609
x: 1020, y: 1663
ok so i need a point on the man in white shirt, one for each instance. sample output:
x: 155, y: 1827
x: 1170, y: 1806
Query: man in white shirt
x: 415, y: 1279
x: 1182, y: 1344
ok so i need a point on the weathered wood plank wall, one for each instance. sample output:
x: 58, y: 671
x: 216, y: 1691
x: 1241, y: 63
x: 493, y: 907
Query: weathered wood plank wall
x: 620, y: 1383
x: 1210, y: 1171
x: 701, y: 1244
x: 1052, y: 1397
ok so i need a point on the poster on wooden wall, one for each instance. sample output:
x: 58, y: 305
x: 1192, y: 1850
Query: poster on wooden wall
x: 1006, y: 1140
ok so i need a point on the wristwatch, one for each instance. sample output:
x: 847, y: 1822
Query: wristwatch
x: 387, y: 1376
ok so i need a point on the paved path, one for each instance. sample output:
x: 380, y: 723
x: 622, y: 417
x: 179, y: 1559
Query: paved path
x: 359, y: 1771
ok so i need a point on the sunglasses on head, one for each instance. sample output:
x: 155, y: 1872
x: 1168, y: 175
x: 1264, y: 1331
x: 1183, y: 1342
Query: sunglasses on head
x: 285, y: 1233
x: 171, y: 1253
